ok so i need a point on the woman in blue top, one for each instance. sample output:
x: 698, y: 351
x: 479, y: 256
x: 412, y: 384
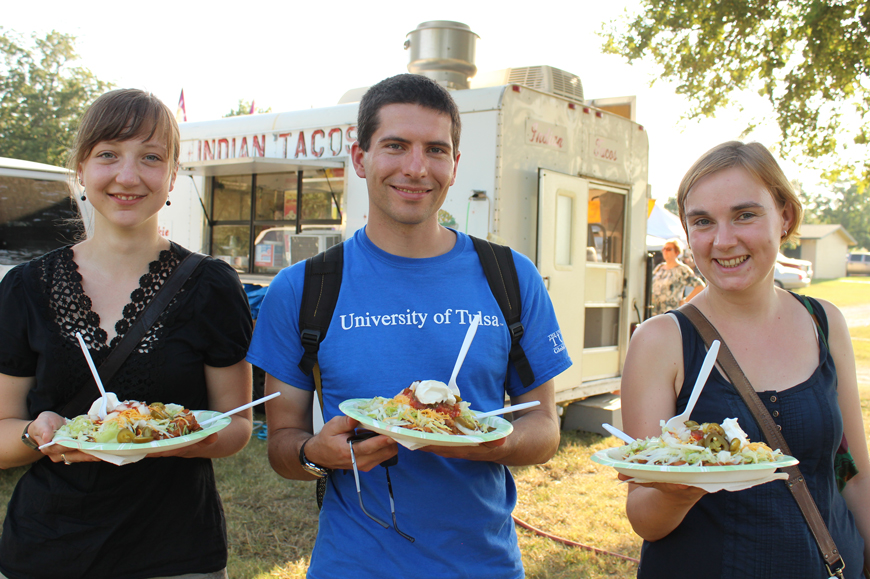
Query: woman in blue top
x: 738, y: 208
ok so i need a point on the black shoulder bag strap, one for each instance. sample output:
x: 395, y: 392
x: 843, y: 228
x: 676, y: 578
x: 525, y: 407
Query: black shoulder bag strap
x: 796, y: 482
x: 501, y: 273
x: 146, y: 319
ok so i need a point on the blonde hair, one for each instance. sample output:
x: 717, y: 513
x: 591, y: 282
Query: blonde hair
x: 755, y: 159
x: 678, y: 245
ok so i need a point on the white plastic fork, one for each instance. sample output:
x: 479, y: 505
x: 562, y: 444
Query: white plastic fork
x: 466, y: 343
x: 506, y: 409
x: 617, y: 433
x: 103, y: 403
x: 208, y: 421
x: 707, y: 367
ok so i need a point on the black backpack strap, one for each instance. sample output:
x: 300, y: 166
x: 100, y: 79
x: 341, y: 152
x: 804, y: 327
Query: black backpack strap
x: 501, y: 273
x: 319, y: 297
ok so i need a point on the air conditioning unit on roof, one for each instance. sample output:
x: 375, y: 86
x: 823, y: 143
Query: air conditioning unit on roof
x: 543, y: 78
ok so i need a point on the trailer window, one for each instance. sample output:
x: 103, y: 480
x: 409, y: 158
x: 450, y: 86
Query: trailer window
x: 232, y: 244
x: 36, y: 216
x: 282, y: 205
x: 276, y: 197
x: 232, y: 198
x: 564, y: 227
x: 606, y: 226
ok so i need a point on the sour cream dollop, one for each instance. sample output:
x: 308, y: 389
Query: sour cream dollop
x: 112, y: 402
x: 433, y: 392
x: 733, y: 430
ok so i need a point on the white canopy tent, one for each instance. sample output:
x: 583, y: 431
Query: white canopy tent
x: 662, y: 225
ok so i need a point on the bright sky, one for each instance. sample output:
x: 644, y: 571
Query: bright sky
x: 292, y: 55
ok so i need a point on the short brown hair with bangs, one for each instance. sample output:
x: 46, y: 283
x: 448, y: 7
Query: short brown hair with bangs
x: 121, y: 115
x: 756, y: 160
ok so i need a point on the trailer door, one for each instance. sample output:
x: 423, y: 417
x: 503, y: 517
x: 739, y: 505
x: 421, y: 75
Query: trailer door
x: 561, y: 257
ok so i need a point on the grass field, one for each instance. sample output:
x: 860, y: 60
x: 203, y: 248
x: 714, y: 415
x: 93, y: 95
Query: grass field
x: 843, y: 292
x: 848, y: 293
x: 570, y: 497
x: 272, y: 522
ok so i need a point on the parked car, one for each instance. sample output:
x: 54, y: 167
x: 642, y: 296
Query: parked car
x: 790, y: 277
x: 858, y: 263
x: 802, y: 264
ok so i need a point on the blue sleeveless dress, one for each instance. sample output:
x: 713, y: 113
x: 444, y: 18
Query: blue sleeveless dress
x: 760, y: 533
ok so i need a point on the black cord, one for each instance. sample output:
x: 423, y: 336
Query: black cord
x: 331, y: 192
x: 201, y: 204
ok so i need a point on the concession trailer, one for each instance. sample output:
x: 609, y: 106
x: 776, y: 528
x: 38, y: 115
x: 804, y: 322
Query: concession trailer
x: 558, y: 178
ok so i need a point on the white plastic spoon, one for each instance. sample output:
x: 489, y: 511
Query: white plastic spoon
x: 469, y: 335
x: 102, y: 413
x: 707, y: 367
x: 617, y: 432
x: 205, y: 423
x: 507, y: 409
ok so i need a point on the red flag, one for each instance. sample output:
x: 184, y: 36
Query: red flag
x: 181, y: 112
x: 252, y: 108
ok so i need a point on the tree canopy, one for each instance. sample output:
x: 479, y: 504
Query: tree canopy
x: 809, y: 58
x: 845, y: 206
x: 42, y: 96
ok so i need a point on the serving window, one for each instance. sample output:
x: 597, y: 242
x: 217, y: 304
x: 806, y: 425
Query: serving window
x: 606, y: 225
x: 256, y: 218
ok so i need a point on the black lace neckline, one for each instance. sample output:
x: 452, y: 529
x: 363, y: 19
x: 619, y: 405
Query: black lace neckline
x: 73, y: 306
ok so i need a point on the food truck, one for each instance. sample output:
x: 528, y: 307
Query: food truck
x: 558, y: 178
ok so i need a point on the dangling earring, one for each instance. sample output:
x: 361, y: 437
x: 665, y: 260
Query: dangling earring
x: 84, y: 198
x: 168, y: 203
x: 82, y: 183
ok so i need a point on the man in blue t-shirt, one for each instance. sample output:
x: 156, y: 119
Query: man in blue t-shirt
x: 409, y: 290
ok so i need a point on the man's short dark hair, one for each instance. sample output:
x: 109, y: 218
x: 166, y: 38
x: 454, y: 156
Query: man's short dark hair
x: 405, y: 89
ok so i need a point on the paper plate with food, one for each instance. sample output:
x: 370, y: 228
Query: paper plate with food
x: 710, y: 455
x: 427, y: 413
x: 134, y: 429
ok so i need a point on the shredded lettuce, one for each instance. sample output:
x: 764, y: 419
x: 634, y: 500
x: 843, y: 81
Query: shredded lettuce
x: 392, y: 412
x: 677, y: 447
x: 84, y: 429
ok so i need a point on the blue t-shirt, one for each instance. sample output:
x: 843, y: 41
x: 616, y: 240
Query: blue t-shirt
x: 398, y: 320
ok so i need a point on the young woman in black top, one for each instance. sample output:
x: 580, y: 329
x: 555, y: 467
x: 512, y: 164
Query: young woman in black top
x: 73, y: 515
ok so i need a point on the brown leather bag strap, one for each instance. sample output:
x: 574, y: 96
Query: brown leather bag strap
x: 796, y: 482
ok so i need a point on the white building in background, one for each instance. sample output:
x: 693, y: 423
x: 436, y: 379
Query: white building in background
x: 826, y: 246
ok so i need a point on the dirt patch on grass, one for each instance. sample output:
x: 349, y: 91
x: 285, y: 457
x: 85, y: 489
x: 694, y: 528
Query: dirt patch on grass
x: 857, y: 316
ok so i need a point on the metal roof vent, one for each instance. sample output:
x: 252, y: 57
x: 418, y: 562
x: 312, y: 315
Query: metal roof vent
x: 548, y: 79
x: 442, y: 50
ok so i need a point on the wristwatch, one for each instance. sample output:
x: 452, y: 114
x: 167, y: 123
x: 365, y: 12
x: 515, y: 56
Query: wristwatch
x: 310, y: 467
x: 25, y: 437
